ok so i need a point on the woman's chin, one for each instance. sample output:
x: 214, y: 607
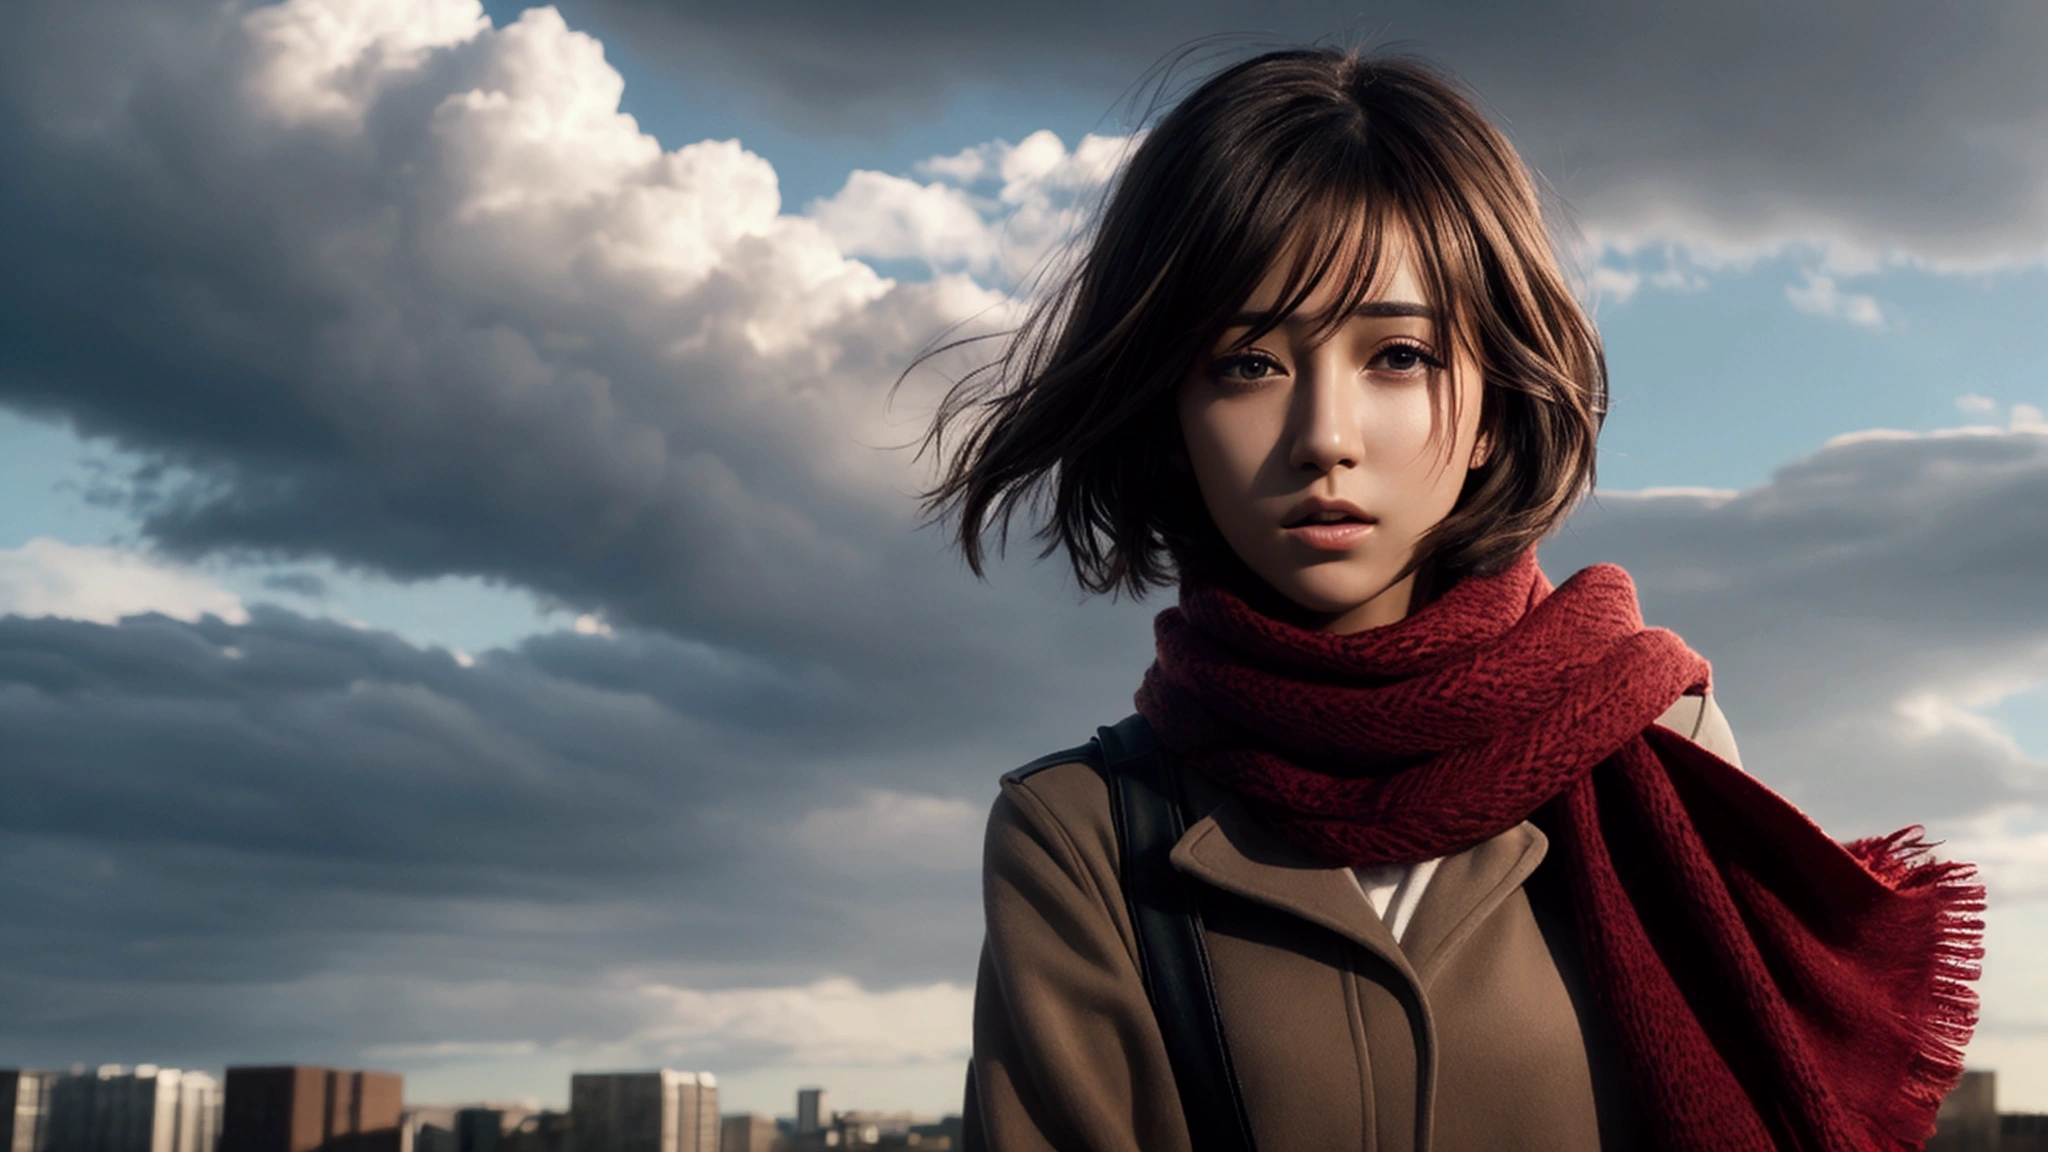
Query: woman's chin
x: 1340, y: 596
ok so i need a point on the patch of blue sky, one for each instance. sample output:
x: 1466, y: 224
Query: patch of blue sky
x: 46, y: 472
x: 463, y: 614
x: 1717, y: 384
x: 2024, y: 715
x: 909, y: 269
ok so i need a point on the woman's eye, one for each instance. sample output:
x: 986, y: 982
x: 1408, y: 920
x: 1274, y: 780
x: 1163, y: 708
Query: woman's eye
x: 1406, y: 358
x: 1244, y: 369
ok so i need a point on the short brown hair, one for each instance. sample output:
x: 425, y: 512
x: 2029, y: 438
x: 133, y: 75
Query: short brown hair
x: 1319, y: 152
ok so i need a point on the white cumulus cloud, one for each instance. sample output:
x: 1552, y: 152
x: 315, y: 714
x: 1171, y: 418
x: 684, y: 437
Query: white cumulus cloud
x: 997, y: 209
x: 329, y: 61
x: 892, y: 218
x: 894, y: 829
x: 1821, y: 295
x: 832, y: 1021
x: 1615, y: 285
x: 48, y: 577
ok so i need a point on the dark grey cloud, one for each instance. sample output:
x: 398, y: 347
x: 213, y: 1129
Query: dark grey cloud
x: 203, y: 817
x: 1893, y: 127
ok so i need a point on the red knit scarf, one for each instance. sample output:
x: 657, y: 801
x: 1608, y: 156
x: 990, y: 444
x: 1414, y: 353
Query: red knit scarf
x: 1764, y: 986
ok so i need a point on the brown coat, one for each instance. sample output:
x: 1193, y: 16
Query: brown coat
x: 1464, y: 1035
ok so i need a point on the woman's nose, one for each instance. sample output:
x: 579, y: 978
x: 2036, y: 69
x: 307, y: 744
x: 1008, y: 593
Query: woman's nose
x: 1323, y: 420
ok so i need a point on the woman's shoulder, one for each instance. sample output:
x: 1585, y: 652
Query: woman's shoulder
x: 1050, y: 862
x: 1699, y: 719
x: 1068, y: 784
x: 1069, y: 790
x: 1061, y: 801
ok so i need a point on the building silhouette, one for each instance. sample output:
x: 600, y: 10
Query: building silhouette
x: 427, y: 1128
x: 748, y: 1132
x: 488, y: 1127
x: 540, y: 1132
x: 24, y: 1109
x: 2022, y: 1132
x: 484, y: 1126
x: 114, y: 1108
x: 811, y: 1115
x: 658, y: 1111
x: 295, y: 1108
x: 1969, y: 1120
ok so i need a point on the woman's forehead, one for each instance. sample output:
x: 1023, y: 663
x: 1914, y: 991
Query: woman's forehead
x: 1383, y: 283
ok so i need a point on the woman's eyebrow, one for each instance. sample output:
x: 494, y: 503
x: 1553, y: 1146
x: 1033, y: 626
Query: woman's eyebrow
x: 1394, y: 308
x: 1374, y: 309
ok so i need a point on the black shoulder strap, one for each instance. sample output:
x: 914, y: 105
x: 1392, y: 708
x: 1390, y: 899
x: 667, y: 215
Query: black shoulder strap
x: 1144, y: 801
x: 1089, y: 753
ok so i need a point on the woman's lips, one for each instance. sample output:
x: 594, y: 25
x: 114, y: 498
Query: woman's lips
x: 1334, y: 536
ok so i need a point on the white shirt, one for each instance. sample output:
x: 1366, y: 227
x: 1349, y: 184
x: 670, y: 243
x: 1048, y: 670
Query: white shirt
x: 1394, y: 890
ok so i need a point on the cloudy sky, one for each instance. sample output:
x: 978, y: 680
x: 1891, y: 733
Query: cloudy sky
x: 460, y: 603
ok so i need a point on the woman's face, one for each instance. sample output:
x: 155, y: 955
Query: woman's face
x: 1322, y: 463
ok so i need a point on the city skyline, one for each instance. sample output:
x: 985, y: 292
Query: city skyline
x: 809, y: 1103
x: 305, y: 1108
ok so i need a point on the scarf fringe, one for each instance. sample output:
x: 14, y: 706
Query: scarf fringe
x: 1943, y: 1019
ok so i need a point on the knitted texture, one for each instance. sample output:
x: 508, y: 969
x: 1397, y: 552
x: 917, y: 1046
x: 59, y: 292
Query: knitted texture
x: 1765, y: 986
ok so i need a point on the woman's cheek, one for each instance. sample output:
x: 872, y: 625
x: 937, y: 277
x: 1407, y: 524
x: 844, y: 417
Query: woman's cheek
x: 1396, y: 431
x: 1228, y: 444
x: 1417, y: 461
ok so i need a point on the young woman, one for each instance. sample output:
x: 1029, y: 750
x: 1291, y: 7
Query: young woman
x: 1472, y: 863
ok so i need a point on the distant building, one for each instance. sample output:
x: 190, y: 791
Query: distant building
x: 427, y: 1128
x: 540, y: 1132
x: 940, y: 1137
x: 486, y: 1127
x: 892, y: 1130
x: 200, y: 1100
x: 479, y: 1130
x: 1969, y: 1120
x: 118, y: 1109
x: 869, y: 1129
x: 294, y: 1108
x: 659, y: 1111
x: 24, y: 1109
x: 2022, y: 1132
x: 811, y: 1115
x: 747, y: 1132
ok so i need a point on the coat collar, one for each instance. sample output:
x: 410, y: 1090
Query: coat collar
x: 1236, y: 851
x: 1232, y: 849
x: 1465, y: 890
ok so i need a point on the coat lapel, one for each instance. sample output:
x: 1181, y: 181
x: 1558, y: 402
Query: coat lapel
x: 1466, y: 889
x: 1236, y: 851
